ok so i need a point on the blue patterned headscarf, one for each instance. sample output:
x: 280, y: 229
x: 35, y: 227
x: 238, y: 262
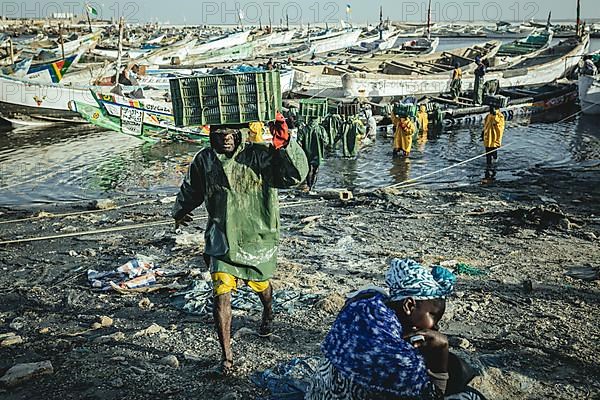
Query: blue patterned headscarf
x: 407, y: 278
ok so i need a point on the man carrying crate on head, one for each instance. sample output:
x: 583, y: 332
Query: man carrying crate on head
x: 238, y: 183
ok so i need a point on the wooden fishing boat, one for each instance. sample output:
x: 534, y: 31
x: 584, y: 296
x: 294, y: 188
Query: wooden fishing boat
x: 589, y: 90
x: 26, y: 97
x: 328, y: 81
x: 150, y: 121
x: 528, y: 100
x: 549, y: 65
x: 220, y: 43
x: 535, y: 42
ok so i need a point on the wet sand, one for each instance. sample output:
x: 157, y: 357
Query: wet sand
x: 531, y: 329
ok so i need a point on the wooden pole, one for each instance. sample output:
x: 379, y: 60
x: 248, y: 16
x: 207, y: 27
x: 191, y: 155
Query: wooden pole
x: 62, y: 41
x: 88, y: 18
x: 380, y: 22
x: 11, y: 50
x: 120, y: 48
x: 429, y: 21
x: 578, y: 18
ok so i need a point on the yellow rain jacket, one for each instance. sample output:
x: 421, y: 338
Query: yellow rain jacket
x: 423, y: 119
x: 457, y: 73
x: 493, y: 129
x: 255, y: 132
x: 403, y: 136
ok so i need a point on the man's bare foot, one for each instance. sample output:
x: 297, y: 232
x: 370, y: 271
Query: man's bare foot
x: 266, y: 326
x: 224, y: 369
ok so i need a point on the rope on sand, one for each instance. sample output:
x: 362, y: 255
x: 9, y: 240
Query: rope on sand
x: 76, y: 212
x: 127, y: 227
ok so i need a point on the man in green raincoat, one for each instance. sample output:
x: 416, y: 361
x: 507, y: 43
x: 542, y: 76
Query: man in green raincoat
x: 238, y: 183
x: 479, y: 72
x: 310, y: 137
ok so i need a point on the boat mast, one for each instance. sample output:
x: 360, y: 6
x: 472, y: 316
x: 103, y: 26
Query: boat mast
x: 120, y: 49
x: 11, y: 52
x: 429, y: 20
x: 578, y: 18
x: 62, y: 41
x: 88, y: 18
x: 380, y: 22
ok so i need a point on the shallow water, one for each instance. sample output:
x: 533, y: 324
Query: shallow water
x: 74, y: 163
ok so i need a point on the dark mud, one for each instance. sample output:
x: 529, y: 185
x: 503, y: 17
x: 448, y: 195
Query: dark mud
x: 532, y: 329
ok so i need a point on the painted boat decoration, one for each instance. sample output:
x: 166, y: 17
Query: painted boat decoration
x: 147, y: 119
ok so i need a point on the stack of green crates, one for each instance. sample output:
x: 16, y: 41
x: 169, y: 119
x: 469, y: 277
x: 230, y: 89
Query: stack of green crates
x: 227, y: 99
x: 313, y: 108
x: 405, y: 110
x: 348, y: 109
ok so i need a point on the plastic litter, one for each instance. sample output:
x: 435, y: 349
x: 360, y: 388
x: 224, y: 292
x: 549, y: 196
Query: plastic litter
x: 136, y: 273
x: 466, y: 269
x: 288, y: 380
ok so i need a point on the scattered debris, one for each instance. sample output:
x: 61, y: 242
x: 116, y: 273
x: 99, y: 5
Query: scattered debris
x: 151, y: 330
x: 145, y: 304
x: 10, y: 340
x: 584, y: 273
x: 17, y: 324
x: 170, y: 361
x: 115, y: 337
x: 466, y: 269
x: 545, y: 216
x: 20, y: 373
x: 102, y: 204
x: 331, y: 304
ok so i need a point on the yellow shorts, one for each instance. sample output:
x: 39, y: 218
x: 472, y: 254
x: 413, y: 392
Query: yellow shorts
x: 225, y: 283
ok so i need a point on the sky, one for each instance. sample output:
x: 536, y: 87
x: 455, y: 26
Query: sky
x: 218, y: 12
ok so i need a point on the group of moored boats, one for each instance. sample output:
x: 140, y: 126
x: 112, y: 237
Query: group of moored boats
x: 117, y: 76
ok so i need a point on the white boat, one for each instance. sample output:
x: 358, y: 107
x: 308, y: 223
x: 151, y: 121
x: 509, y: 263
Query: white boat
x: 231, y: 40
x: 589, y: 94
x: 275, y: 38
x: 549, y: 65
x: 22, y: 96
x: 341, y: 41
x: 113, y: 54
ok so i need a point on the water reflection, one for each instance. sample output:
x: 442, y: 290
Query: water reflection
x: 400, y: 170
x: 80, y: 162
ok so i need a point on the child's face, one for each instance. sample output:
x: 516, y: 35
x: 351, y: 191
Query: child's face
x: 424, y: 314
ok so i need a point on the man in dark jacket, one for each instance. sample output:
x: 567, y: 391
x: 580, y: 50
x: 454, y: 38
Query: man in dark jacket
x: 479, y: 76
x: 237, y: 181
x: 310, y: 137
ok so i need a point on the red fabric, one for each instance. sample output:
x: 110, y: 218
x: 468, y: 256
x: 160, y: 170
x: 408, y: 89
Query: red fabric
x: 279, y: 130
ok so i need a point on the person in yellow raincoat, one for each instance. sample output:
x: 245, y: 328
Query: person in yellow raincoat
x: 422, y: 118
x: 493, y: 130
x: 456, y: 82
x: 403, y: 136
x: 255, y: 132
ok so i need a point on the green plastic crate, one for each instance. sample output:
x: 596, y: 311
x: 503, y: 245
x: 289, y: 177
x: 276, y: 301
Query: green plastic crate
x: 226, y: 99
x: 348, y: 109
x: 313, y: 108
x: 405, y: 110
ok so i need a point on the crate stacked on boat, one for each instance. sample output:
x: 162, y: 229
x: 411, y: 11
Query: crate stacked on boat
x: 226, y: 99
x: 497, y: 101
x: 313, y: 108
x: 348, y: 109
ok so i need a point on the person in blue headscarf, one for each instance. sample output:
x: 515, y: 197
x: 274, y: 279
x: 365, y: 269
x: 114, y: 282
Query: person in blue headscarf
x: 387, y: 345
